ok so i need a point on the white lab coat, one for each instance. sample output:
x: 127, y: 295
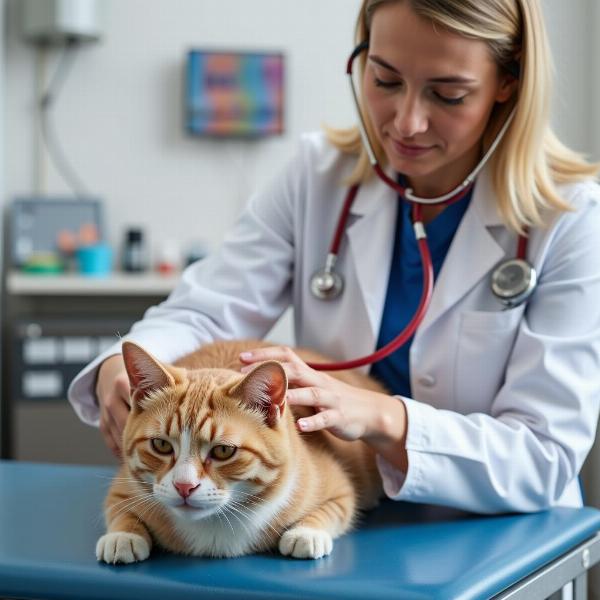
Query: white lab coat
x: 505, y: 402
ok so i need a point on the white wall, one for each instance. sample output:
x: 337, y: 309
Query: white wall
x: 119, y: 116
x: 572, y: 29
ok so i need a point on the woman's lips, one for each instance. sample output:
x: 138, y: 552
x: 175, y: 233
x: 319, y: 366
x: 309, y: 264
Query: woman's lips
x: 410, y: 150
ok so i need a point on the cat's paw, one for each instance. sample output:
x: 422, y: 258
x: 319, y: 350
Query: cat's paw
x: 122, y: 547
x: 305, y: 542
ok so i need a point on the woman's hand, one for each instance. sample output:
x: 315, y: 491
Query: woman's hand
x: 348, y: 412
x: 112, y: 392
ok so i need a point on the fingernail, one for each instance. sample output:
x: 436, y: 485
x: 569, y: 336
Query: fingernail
x: 302, y: 424
x: 246, y: 355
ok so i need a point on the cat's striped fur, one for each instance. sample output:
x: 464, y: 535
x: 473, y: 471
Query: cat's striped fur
x: 278, y: 489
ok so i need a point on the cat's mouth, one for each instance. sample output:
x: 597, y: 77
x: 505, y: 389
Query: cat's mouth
x: 196, y: 510
x: 185, y: 505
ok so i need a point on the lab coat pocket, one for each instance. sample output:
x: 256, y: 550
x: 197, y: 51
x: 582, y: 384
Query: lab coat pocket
x: 485, y: 343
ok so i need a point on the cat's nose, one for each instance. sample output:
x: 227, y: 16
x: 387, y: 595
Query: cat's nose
x: 184, y: 488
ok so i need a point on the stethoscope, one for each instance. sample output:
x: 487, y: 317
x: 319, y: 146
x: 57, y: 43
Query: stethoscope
x: 512, y: 282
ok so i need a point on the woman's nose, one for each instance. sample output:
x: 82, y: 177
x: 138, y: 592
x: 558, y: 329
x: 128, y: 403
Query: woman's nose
x: 411, y: 117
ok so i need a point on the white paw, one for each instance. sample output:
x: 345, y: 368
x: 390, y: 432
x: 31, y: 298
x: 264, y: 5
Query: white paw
x: 122, y: 547
x: 305, y: 542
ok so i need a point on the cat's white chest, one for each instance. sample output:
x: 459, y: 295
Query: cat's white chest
x: 215, y: 536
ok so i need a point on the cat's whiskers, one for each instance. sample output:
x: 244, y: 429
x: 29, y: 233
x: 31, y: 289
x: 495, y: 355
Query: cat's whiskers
x: 133, y: 504
x: 129, y: 480
x: 250, y: 496
x: 233, y: 512
x: 128, y: 499
x: 220, y: 512
x: 251, y: 501
x: 131, y: 507
x: 153, y: 505
x: 239, y: 507
x: 134, y: 482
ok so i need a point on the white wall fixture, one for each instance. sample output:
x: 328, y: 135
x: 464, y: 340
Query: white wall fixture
x: 58, y: 21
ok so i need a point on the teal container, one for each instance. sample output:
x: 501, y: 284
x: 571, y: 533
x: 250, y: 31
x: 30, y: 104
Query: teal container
x: 95, y: 260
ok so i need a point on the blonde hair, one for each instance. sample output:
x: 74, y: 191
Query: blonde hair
x: 530, y: 160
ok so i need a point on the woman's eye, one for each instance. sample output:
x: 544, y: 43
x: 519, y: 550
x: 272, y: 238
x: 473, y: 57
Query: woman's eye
x: 162, y: 446
x: 385, y: 84
x: 222, y: 452
x: 447, y: 100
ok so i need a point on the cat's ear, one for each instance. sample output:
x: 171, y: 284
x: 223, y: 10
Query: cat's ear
x: 146, y: 373
x: 264, y: 388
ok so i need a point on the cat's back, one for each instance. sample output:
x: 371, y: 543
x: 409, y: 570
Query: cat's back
x: 222, y: 354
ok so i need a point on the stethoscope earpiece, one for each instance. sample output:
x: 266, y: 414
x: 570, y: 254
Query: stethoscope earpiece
x: 513, y: 281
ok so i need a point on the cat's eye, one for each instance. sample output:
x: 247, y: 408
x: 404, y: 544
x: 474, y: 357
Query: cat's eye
x: 222, y: 452
x: 162, y: 446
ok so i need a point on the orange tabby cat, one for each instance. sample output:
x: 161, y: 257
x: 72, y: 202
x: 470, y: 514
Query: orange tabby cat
x: 213, y: 464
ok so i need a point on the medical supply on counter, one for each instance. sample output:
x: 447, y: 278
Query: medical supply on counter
x: 168, y: 260
x: 94, y: 260
x: 135, y: 254
x: 43, y: 264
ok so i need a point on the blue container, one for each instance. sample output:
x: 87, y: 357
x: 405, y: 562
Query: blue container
x: 95, y: 260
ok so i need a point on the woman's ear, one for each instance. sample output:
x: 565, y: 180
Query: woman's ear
x: 507, y: 87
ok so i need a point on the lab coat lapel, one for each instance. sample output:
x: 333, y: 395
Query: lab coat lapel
x: 472, y: 254
x: 371, y: 238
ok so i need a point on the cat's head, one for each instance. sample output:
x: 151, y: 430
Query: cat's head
x: 207, y: 440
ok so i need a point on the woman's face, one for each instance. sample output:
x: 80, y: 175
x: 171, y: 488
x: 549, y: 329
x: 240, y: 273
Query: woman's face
x: 429, y: 94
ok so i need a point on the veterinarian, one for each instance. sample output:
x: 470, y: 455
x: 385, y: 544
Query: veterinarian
x: 458, y: 187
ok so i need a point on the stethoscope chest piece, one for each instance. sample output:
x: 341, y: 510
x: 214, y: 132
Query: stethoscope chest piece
x: 513, y: 281
x: 326, y: 285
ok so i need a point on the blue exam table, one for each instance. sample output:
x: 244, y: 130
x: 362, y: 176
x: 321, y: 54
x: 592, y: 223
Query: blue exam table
x: 51, y: 517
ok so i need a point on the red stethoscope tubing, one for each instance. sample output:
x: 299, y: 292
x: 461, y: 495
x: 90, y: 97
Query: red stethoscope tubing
x: 410, y: 329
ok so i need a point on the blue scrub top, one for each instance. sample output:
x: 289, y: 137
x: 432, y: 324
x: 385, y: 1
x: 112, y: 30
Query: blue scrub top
x: 405, y: 286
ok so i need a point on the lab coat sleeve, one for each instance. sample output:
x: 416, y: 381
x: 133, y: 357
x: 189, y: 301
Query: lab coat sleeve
x: 542, y: 422
x: 240, y: 292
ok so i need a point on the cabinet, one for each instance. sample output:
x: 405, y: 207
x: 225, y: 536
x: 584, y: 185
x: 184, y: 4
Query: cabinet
x: 53, y: 326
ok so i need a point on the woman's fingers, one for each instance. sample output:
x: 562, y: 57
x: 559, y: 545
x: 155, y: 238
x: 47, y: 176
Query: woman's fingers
x: 311, y: 396
x: 297, y: 371
x: 325, y: 404
x: 279, y: 353
x: 325, y: 419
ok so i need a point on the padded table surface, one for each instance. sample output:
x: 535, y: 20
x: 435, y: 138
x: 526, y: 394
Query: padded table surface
x: 51, y: 517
